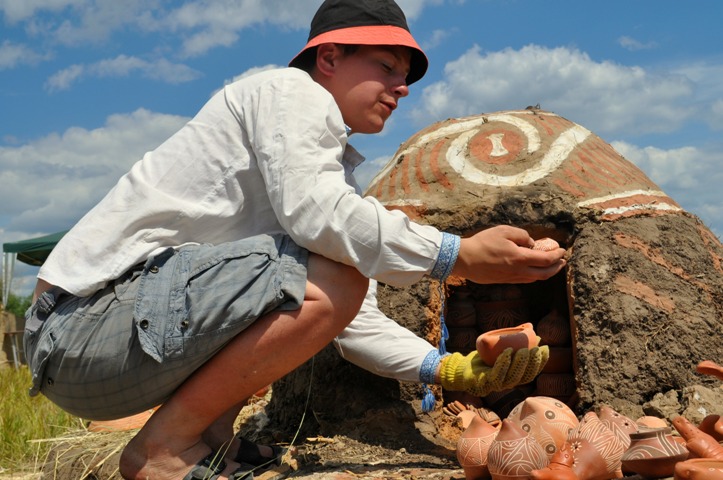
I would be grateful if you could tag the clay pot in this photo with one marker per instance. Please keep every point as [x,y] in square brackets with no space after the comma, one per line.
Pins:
[651,422]
[503,402]
[461,313]
[465,418]
[473,447]
[596,449]
[621,425]
[699,469]
[491,344]
[560,360]
[547,420]
[560,467]
[514,454]
[713,426]
[709,367]
[461,339]
[497,314]
[554,329]
[652,453]
[556,385]
[699,443]
[545,244]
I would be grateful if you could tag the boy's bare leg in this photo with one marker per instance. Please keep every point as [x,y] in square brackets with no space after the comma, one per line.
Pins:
[170,443]
[220,434]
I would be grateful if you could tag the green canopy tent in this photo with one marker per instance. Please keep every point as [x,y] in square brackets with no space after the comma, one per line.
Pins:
[33,251]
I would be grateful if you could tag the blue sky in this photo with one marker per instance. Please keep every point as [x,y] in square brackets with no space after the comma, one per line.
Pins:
[88,86]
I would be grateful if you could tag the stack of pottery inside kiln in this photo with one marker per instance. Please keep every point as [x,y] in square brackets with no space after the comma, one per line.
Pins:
[474,309]
[542,439]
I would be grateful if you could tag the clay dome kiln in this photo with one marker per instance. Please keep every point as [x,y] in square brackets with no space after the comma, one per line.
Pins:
[638,306]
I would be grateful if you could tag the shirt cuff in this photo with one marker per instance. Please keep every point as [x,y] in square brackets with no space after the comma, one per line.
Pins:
[447,257]
[429,366]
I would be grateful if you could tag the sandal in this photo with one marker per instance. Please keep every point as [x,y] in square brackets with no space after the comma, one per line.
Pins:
[207,469]
[249,453]
[211,467]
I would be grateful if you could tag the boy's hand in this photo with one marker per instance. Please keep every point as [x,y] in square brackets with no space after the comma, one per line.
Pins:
[469,373]
[504,254]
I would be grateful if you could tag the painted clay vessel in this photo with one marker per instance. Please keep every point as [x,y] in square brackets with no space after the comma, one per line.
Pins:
[503,402]
[651,422]
[554,329]
[560,467]
[491,344]
[713,426]
[652,453]
[556,385]
[699,469]
[596,449]
[514,454]
[560,361]
[461,313]
[547,420]
[699,443]
[709,367]
[621,425]
[504,313]
[545,245]
[473,447]
[465,418]
[461,339]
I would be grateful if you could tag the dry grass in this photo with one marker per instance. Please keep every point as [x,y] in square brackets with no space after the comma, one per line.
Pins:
[81,455]
[24,420]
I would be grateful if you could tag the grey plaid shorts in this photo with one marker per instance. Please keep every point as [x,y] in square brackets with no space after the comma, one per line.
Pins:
[127,347]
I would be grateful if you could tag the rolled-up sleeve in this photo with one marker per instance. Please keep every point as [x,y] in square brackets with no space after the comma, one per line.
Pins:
[299,138]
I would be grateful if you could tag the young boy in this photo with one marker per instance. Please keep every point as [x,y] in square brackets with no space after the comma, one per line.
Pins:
[240,247]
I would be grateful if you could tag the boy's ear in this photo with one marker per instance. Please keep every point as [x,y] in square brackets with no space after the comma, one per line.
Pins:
[326,58]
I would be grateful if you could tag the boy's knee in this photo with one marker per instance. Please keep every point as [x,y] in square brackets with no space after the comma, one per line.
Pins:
[340,288]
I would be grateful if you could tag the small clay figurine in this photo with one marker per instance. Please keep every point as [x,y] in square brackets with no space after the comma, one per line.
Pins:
[560,467]
[699,443]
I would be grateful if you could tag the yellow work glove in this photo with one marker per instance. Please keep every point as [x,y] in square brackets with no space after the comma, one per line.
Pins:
[469,373]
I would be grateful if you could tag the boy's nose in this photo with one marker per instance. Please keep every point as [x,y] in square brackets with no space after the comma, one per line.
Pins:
[401,90]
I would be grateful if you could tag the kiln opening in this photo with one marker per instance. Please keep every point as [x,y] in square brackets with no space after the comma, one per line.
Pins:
[472,309]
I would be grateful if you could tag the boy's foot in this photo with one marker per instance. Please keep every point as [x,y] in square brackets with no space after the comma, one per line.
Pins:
[259,455]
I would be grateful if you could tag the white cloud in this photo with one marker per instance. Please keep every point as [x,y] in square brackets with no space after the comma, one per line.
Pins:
[709,89]
[251,71]
[690,175]
[716,110]
[50,183]
[368,170]
[15,10]
[413,8]
[678,168]
[122,66]
[632,44]
[436,39]
[602,96]
[14,54]
[201,24]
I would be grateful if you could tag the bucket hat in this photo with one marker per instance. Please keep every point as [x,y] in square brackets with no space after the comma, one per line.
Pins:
[363,22]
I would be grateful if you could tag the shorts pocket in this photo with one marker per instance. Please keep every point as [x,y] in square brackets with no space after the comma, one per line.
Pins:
[38,348]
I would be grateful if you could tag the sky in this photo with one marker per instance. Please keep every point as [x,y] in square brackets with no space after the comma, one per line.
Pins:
[88,86]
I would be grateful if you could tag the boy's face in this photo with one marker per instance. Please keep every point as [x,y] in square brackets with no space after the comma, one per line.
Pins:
[368,84]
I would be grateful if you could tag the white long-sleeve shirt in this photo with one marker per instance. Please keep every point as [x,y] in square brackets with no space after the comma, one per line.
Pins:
[267,154]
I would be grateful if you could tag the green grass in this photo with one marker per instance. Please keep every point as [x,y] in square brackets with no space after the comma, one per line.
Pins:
[24,419]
